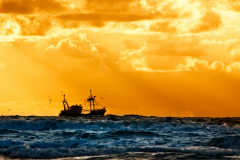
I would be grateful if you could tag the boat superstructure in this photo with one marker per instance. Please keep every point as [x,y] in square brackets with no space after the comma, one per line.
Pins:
[74,110]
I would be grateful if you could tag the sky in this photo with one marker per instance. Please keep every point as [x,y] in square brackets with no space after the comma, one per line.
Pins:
[146,57]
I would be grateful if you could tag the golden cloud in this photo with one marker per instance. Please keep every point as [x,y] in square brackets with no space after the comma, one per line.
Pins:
[193,64]
[75,46]
[161,55]
[24,26]
[235,5]
[111,5]
[162,27]
[102,17]
[210,21]
[234,67]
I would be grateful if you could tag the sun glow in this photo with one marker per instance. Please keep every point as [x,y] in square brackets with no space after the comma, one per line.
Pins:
[72,6]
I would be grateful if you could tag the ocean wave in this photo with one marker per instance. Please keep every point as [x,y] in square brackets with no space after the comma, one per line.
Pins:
[104,123]
[127,133]
[24,151]
[231,142]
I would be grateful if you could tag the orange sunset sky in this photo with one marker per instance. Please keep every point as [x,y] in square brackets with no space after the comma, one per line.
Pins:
[155,57]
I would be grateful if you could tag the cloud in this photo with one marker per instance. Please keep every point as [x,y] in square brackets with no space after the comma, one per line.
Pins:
[111,5]
[30,6]
[9,27]
[218,66]
[210,21]
[229,42]
[234,67]
[24,26]
[193,64]
[136,61]
[50,5]
[75,56]
[132,60]
[98,12]
[16,7]
[164,9]
[75,46]
[102,17]
[34,26]
[235,52]
[161,55]
[235,5]
[228,50]
[162,27]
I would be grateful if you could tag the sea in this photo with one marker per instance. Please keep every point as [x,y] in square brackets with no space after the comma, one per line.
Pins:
[119,137]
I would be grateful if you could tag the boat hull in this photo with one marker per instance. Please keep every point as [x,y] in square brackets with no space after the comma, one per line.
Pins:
[96,112]
[69,113]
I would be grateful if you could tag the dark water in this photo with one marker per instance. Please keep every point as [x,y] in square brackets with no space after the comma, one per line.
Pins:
[119,137]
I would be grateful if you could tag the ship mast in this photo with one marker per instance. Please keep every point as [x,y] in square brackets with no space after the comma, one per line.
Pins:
[65,102]
[91,100]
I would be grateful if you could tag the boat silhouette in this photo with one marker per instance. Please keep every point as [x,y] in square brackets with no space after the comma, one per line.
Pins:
[95,108]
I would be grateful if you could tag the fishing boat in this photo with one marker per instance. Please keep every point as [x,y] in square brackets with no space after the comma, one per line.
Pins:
[94,108]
